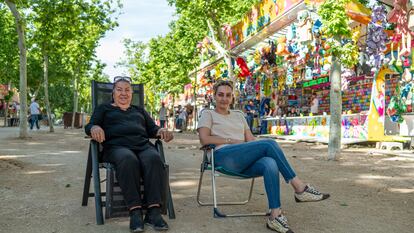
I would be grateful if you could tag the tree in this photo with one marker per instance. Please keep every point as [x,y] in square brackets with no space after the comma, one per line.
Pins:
[20,28]
[90,25]
[164,63]
[336,26]
[211,15]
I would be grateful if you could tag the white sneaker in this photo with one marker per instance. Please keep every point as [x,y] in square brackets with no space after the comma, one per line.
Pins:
[310,194]
[279,224]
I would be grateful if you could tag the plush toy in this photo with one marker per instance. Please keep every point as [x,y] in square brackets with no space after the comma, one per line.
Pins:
[269,54]
[291,32]
[316,29]
[229,33]
[281,49]
[304,27]
[289,75]
[376,38]
[346,74]
[244,70]
[398,15]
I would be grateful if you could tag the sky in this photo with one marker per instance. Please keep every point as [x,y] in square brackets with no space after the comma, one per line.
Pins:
[140,20]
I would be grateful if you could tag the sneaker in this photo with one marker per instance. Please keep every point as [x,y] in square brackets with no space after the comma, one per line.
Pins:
[136,224]
[279,224]
[310,194]
[154,219]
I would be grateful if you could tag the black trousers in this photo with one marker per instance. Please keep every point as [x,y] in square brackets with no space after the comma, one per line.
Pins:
[135,166]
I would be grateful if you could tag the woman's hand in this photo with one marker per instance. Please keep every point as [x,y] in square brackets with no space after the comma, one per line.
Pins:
[234,141]
[97,133]
[165,135]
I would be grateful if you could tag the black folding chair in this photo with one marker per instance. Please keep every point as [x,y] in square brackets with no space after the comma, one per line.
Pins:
[113,200]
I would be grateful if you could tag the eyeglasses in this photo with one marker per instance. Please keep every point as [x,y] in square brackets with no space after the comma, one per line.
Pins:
[122,78]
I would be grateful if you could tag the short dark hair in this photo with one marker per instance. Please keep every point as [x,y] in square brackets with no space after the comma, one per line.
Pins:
[222,83]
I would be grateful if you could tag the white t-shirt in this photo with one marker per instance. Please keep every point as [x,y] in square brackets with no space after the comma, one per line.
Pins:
[34,108]
[231,126]
[315,106]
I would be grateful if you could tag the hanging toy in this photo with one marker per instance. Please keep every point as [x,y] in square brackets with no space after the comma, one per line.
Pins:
[243,67]
[308,73]
[398,64]
[281,49]
[412,61]
[404,50]
[289,75]
[392,61]
[376,38]
[406,77]
[411,17]
[229,33]
[398,15]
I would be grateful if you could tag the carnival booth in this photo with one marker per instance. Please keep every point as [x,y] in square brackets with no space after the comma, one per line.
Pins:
[284,62]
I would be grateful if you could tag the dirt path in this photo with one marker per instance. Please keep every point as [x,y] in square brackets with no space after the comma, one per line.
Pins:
[41,183]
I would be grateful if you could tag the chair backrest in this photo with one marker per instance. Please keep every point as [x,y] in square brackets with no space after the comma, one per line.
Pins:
[102,93]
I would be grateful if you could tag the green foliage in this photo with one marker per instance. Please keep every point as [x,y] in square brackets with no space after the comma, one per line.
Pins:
[334,19]
[68,32]
[9,52]
[163,64]
[335,23]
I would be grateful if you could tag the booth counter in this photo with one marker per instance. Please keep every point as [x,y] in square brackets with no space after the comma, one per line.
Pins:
[354,126]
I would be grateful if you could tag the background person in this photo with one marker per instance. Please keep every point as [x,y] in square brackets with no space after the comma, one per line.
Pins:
[314,104]
[34,114]
[162,115]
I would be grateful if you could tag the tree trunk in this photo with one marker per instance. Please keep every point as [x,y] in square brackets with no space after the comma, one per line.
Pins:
[46,86]
[334,148]
[20,25]
[75,100]
[7,102]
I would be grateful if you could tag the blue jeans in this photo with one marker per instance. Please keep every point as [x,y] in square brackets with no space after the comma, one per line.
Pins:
[34,119]
[258,158]
[162,123]
[249,119]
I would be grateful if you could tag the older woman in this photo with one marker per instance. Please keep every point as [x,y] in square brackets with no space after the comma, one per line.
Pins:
[237,150]
[124,131]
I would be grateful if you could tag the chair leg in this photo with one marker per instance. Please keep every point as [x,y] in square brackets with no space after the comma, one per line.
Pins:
[201,203]
[97,184]
[109,195]
[216,212]
[200,182]
[171,211]
[87,183]
[170,204]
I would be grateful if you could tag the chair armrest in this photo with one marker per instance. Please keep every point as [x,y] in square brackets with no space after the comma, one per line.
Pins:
[208,147]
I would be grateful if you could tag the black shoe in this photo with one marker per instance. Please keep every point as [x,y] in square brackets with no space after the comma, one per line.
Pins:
[154,219]
[136,224]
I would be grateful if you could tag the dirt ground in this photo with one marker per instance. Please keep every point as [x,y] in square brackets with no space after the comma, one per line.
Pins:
[41,182]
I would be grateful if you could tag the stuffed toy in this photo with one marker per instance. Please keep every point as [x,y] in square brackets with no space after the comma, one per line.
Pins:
[229,33]
[376,38]
[411,16]
[304,27]
[244,70]
[291,32]
[281,49]
[289,75]
[398,15]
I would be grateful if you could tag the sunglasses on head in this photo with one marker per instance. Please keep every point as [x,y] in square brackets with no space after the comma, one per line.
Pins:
[122,78]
